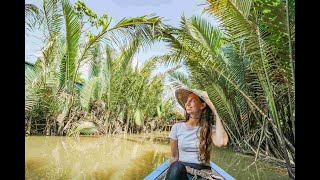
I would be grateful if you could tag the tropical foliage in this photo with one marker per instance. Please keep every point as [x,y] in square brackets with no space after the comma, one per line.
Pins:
[247,66]
[53,96]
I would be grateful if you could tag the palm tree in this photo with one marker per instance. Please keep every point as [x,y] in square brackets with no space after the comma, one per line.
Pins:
[238,84]
[131,94]
[67,49]
[265,33]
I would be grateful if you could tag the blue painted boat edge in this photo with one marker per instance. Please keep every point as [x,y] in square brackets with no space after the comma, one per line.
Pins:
[158,171]
[221,171]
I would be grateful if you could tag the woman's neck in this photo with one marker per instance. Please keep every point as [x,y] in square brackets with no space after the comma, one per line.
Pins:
[193,122]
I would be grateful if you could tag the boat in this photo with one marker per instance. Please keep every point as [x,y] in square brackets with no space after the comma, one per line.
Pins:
[160,172]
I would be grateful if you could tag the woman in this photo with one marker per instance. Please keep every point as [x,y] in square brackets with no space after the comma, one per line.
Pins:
[192,139]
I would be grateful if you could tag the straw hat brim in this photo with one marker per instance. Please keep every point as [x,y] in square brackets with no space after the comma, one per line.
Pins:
[182,94]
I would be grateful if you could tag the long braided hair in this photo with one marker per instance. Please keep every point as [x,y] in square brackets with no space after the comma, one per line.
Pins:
[205,144]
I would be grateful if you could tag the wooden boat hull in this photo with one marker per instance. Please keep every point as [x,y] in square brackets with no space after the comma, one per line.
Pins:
[158,173]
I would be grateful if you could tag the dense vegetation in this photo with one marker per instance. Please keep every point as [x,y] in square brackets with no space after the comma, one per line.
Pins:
[246,64]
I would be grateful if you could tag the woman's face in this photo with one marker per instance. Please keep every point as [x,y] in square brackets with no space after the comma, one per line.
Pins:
[194,105]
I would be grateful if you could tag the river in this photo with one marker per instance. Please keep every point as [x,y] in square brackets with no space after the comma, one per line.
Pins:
[122,157]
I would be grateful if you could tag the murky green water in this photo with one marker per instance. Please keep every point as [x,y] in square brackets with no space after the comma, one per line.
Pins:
[130,157]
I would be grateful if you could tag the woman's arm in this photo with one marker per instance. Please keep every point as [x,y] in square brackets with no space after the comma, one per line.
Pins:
[174,154]
[219,136]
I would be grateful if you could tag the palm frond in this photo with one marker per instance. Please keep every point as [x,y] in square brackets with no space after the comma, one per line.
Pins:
[238,69]
[226,109]
[149,66]
[32,16]
[48,53]
[95,63]
[179,78]
[206,33]
[107,72]
[84,127]
[30,97]
[95,70]
[51,17]
[62,72]
[87,92]
[127,54]
[73,28]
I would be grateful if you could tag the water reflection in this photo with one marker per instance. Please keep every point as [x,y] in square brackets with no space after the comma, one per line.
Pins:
[243,167]
[125,157]
[91,158]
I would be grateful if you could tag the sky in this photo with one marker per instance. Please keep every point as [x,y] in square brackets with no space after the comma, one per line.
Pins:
[169,10]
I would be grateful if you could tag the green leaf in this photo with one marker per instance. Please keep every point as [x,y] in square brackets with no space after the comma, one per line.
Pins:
[86,93]
[84,127]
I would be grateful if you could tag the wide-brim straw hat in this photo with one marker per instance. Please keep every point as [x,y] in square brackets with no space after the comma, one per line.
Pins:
[182,94]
